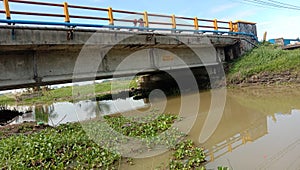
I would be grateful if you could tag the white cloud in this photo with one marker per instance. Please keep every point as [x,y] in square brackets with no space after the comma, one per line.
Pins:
[286,27]
[222,8]
[98,0]
[243,15]
[183,12]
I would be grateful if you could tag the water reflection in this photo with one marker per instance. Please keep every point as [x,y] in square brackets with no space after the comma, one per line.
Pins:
[63,112]
[258,129]
[275,146]
[44,113]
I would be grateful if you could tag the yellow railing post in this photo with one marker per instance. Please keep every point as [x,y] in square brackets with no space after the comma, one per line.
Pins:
[229,147]
[196,24]
[110,16]
[7,11]
[212,157]
[146,19]
[173,22]
[66,12]
[215,24]
[244,140]
[265,37]
[230,26]
[235,27]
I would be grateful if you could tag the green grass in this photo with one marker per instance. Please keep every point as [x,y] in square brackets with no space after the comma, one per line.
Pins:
[142,128]
[187,156]
[64,147]
[266,58]
[4,99]
[68,147]
[80,92]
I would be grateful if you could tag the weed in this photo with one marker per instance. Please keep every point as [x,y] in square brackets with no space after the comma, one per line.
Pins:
[266,58]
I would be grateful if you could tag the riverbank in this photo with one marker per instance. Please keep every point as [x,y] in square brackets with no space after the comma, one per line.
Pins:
[251,111]
[68,145]
[266,65]
[100,91]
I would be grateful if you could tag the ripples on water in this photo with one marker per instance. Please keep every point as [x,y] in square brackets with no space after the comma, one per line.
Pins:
[259,128]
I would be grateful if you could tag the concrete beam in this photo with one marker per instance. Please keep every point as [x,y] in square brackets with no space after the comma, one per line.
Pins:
[39,38]
[38,56]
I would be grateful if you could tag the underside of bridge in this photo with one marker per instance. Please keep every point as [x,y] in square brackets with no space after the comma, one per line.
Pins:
[34,56]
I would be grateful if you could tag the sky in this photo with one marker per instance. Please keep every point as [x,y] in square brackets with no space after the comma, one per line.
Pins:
[276,21]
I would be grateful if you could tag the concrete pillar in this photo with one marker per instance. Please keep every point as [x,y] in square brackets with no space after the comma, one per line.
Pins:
[157,81]
[247,27]
[232,52]
[220,54]
[165,82]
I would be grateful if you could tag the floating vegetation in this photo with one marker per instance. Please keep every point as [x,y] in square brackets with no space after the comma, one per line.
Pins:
[69,146]
[134,135]
[64,147]
[145,127]
[25,128]
[187,156]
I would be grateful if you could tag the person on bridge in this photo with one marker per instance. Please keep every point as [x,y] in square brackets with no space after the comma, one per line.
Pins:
[141,22]
[135,21]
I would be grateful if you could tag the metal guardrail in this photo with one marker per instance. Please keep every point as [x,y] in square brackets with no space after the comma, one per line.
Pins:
[146,22]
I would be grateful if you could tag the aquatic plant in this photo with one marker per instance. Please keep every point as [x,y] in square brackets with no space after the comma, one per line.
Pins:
[68,147]
[187,156]
[63,147]
[145,127]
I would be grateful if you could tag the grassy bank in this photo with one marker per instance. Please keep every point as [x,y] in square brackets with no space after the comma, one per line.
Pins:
[68,147]
[66,93]
[264,60]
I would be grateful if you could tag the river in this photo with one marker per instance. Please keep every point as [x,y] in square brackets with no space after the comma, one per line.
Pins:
[241,128]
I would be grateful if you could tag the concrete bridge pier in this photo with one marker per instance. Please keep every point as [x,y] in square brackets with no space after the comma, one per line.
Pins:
[38,56]
[185,80]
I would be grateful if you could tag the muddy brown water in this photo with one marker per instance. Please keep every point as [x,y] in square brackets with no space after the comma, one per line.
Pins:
[249,128]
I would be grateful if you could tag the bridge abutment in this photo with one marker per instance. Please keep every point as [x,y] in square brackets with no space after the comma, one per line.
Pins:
[183,81]
[41,56]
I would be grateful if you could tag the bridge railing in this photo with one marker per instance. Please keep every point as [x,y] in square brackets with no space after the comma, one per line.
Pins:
[84,16]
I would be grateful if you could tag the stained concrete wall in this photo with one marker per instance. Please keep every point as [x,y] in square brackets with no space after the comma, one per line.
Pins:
[247,27]
[38,56]
[246,44]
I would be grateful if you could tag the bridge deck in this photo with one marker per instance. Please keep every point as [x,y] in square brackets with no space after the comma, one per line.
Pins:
[44,49]
[98,17]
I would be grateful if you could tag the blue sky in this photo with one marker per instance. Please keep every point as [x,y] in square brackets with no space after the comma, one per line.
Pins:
[277,22]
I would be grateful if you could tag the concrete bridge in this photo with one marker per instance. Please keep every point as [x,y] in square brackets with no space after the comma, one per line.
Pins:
[45,51]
